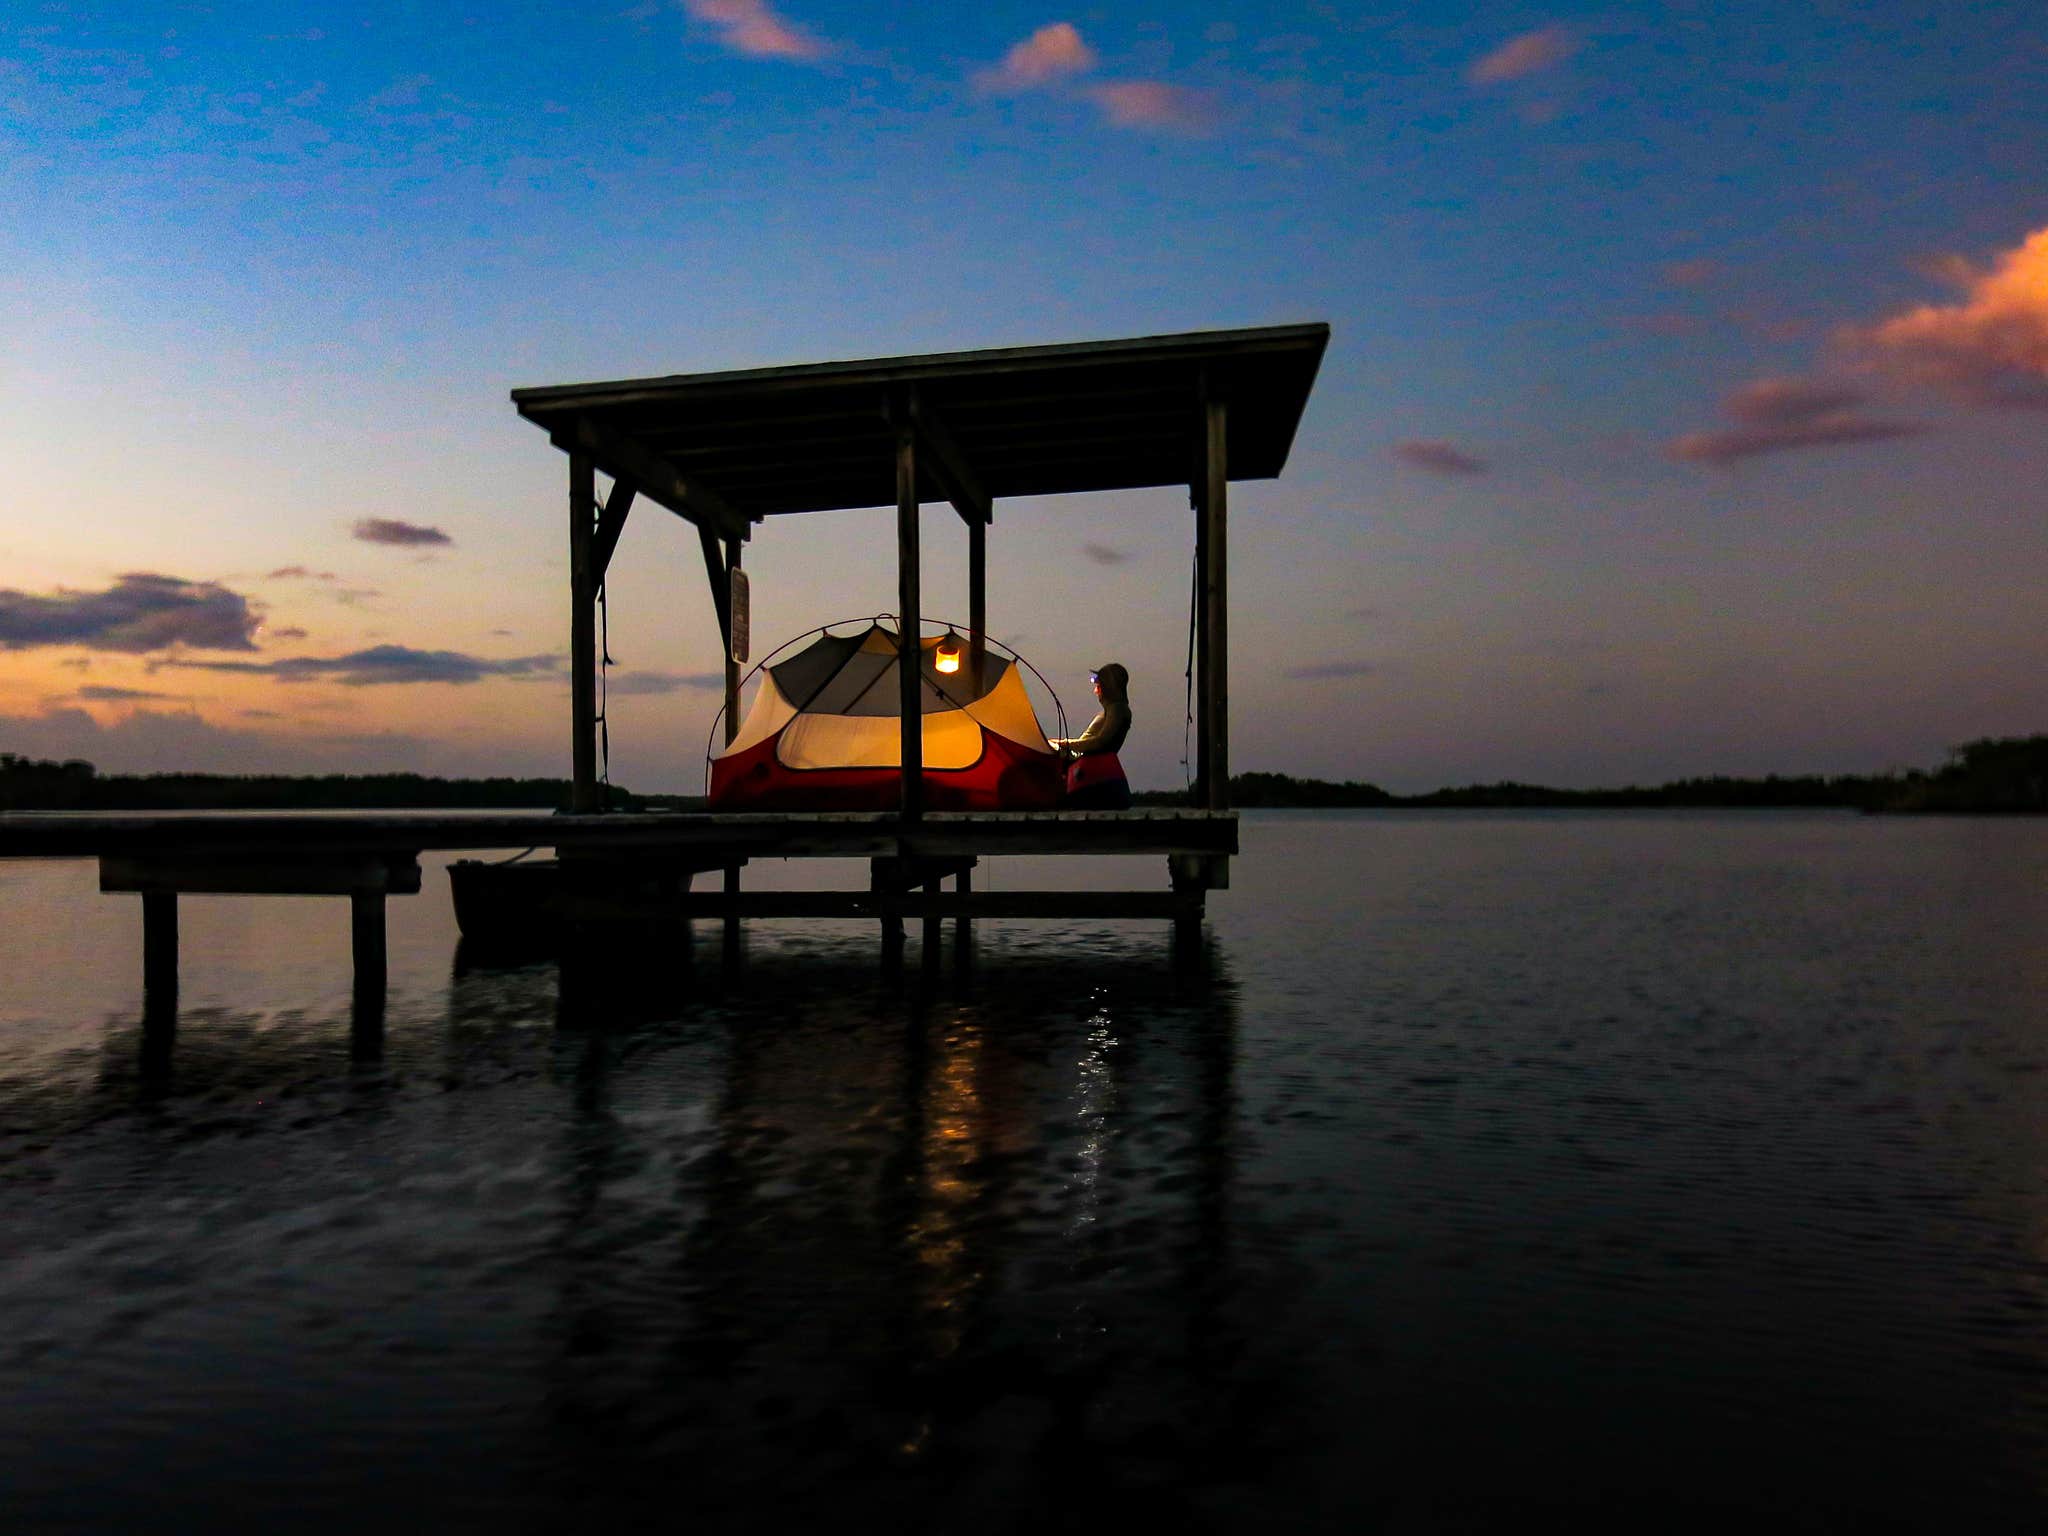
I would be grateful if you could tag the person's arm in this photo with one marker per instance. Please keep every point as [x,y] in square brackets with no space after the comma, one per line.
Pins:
[1105,733]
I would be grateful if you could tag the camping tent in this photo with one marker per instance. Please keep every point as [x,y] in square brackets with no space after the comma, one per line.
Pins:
[824,734]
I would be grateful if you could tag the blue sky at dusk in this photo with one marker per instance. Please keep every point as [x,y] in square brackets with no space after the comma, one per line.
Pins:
[1686,409]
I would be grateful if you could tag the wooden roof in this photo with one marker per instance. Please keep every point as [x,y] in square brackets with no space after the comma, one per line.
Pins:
[731,448]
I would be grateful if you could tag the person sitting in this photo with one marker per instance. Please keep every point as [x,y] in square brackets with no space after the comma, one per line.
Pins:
[1095,779]
[1106,732]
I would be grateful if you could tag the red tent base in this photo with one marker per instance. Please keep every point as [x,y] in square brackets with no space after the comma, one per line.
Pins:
[1008,777]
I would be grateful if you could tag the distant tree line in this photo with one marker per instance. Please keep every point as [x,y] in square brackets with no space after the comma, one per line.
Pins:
[30,785]
[2002,775]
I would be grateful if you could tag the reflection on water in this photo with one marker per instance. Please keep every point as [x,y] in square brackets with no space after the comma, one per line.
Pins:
[1658,1173]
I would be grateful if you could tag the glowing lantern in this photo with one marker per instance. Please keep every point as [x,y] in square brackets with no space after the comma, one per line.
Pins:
[947,657]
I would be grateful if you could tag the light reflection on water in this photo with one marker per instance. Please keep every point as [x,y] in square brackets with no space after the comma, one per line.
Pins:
[1657,1170]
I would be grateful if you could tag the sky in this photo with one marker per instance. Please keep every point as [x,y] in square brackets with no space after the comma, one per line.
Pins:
[1686,408]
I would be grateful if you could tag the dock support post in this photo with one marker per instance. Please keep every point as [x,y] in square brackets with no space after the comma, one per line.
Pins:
[910,654]
[366,942]
[1189,873]
[933,924]
[582,633]
[1215,571]
[159,980]
[977,601]
[160,946]
[882,879]
[731,936]
[963,925]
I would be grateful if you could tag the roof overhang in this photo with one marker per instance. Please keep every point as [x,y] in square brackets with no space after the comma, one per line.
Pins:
[728,449]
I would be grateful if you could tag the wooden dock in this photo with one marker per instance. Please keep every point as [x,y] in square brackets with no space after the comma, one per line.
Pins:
[369,856]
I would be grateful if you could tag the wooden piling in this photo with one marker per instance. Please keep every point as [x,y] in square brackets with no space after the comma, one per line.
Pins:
[582,633]
[366,942]
[160,944]
[910,656]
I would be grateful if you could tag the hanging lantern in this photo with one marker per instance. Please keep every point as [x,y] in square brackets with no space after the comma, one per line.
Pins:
[947,657]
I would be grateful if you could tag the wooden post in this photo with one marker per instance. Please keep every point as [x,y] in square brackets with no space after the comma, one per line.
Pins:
[731,925]
[882,878]
[963,925]
[582,635]
[159,958]
[977,601]
[366,941]
[732,668]
[1201,617]
[1215,608]
[910,656]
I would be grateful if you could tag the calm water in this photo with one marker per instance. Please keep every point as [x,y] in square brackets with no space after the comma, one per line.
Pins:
[1660,1171]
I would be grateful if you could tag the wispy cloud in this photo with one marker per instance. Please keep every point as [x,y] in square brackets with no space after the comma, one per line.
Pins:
[404,92]
[389,530]
[1438,457]
[1053,52]
[1528,54]
[663,682]
[1105,554]
[299,573]
[1154,104]
[102,693]
[141,612]
[1775,415]
[1664,323]
[1696,273]
[384,664]
[752,27]
[1325,671]
[1990,347]
[289,632]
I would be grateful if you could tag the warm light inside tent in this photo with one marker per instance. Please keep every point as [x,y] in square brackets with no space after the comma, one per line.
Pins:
[947,657]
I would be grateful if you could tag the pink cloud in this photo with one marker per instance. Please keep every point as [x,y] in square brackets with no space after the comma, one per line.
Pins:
[1438,457]
[1774,415]
[1153,104]
[1991,347]
[751,27]
[1050,54]
[1528,54]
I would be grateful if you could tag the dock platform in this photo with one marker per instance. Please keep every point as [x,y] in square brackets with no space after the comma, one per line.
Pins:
[370,855]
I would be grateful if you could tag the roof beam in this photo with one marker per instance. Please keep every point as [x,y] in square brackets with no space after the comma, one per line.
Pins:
[721,582]
[624,459]
[949,465]
[611,522]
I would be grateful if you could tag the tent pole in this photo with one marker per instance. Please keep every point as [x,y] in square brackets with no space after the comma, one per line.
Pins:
[1215,607]
[910,657]
[582,634]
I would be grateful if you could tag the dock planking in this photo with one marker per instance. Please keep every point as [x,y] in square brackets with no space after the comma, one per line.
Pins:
[284,836]
[367,856]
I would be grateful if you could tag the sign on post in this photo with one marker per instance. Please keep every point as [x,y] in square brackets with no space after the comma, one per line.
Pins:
[740,616]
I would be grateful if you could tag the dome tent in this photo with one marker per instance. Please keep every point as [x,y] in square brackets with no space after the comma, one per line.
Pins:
[824,734]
